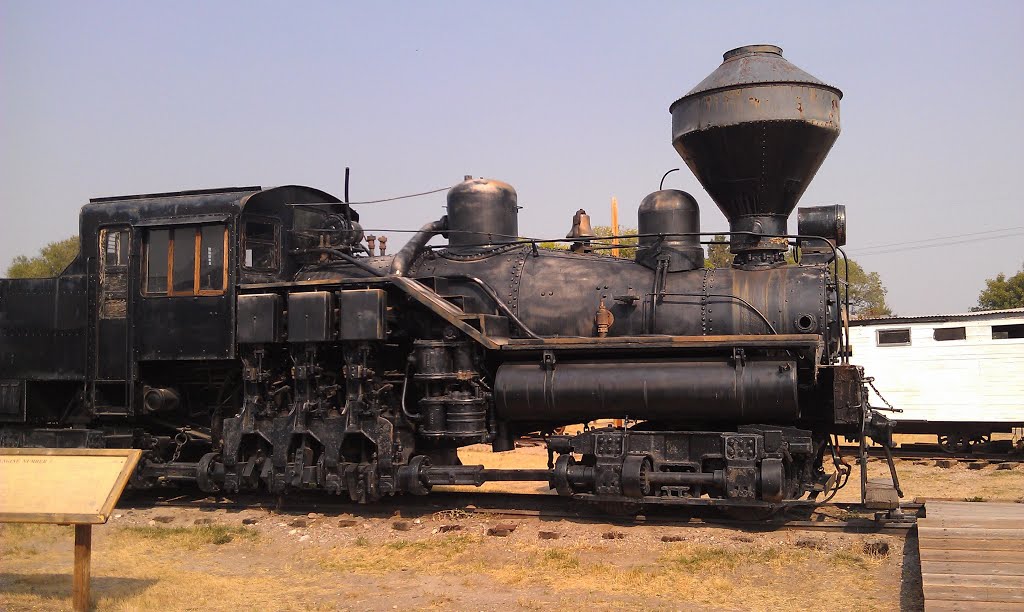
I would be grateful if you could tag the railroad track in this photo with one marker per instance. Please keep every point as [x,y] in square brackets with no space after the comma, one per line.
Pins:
[524,506]
[934,454]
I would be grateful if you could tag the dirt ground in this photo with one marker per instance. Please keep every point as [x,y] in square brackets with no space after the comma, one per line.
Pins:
[191,559]
[290,562]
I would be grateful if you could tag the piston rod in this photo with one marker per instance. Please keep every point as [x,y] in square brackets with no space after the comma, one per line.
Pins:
[476,475]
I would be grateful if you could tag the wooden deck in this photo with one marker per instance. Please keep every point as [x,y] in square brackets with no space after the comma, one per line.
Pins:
[972,556]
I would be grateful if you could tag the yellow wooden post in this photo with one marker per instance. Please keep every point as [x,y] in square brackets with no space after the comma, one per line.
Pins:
[83,551]
[615,227]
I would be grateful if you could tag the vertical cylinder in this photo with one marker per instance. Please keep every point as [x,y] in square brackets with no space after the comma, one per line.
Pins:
[482,213]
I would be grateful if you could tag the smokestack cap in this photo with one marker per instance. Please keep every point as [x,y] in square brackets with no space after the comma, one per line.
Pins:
[753,64]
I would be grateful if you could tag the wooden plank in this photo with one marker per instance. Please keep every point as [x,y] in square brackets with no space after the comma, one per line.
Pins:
[971,556]
[974,544]
[982,567]
[987,516]
[951,533]
[989,556]
[972,509]
[973,593]
[83,551]
[978,523]
[945,605]
[1001,582]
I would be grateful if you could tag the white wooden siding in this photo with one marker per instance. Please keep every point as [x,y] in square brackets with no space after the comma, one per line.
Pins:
[975,379]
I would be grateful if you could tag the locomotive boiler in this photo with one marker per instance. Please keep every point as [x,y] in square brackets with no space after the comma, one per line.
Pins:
[252,339]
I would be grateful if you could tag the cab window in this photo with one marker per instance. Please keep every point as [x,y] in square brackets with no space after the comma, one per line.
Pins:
[114,246]
[260,245]
[186,260]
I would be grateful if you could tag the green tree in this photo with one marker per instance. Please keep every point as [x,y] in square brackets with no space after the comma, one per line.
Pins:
[1001,292]
[718,253]
[867,293]
[51,260]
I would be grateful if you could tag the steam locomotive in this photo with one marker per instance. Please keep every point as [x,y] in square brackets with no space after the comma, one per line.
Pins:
[255,339]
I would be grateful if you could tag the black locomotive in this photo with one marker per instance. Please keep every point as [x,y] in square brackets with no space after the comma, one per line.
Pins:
[252,339]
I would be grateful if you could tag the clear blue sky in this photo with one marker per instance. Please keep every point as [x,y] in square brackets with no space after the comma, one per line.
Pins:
[566,101]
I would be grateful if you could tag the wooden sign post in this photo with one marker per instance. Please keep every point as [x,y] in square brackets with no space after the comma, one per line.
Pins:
[66,486]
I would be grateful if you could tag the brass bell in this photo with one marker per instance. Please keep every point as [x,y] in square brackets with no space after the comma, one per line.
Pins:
[581,229]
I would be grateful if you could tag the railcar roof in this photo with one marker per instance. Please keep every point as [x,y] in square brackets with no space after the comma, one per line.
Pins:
[225,200]
[981,315]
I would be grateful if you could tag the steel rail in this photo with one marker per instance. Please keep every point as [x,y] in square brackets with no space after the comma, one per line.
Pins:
[523,506]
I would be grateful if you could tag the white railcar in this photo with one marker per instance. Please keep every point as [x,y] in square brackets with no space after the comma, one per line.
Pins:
[958,376]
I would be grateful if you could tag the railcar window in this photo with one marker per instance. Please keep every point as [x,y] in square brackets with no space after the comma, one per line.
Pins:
[211,258]
[261,245]
[943,334]
[157,242]
[891,337]
[183,254]
[114,245]
[186,260]
[116,248]
[1008,332]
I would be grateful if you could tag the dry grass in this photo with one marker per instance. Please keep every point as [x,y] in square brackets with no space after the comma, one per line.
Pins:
[26,539]
[404,555]
[219,567]
[957,482]
[190,537]
[699,573]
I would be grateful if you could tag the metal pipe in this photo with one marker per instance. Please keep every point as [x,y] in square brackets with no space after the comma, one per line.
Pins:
[412,249]
[704,296]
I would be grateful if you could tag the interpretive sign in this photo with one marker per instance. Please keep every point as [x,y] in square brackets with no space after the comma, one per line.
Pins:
[77,486]
[62,485]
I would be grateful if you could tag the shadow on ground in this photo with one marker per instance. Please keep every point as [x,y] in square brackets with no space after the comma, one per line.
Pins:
[911,589]
[58,586]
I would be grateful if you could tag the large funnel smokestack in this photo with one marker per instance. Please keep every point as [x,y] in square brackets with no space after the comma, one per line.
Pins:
[755,132]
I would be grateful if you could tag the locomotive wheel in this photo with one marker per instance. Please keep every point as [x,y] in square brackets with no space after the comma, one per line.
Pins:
[634,476]
[560,475]
[951,443]
[962,443]
[204,475]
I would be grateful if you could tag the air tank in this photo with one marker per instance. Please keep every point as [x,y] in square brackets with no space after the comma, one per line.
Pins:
[669,212]
[754,133]
[482,213]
